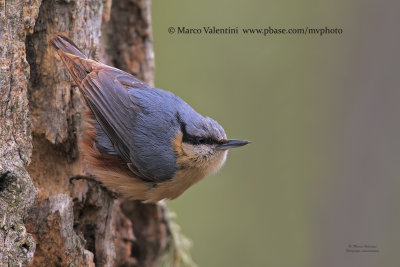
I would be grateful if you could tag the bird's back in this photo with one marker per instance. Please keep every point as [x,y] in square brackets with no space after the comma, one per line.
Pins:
[134,133]
[132,120]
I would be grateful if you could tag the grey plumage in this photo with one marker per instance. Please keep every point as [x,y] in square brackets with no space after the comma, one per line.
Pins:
[153,128]
[159,145]
[141,122]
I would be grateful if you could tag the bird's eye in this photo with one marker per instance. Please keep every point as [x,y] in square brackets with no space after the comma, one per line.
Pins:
[201,140]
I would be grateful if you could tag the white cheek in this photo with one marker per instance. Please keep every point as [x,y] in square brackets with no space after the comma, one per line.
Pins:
[223,158]
[218,161]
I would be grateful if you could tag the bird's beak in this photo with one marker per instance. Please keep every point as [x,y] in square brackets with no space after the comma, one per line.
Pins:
[230,143]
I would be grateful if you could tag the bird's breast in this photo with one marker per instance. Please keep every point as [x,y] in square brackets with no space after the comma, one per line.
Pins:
[188,173]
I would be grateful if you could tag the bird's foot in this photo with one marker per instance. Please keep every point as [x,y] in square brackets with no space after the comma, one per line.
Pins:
[93,180]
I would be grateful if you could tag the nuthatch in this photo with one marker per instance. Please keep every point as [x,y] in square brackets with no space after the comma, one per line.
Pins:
[142,142]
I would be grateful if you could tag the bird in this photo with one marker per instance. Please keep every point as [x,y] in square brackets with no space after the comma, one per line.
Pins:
[144,143]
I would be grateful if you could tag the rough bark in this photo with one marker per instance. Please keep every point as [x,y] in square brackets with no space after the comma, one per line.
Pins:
[46,220]
[17,193]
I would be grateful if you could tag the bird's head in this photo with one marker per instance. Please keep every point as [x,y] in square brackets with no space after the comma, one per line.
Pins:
[202,144]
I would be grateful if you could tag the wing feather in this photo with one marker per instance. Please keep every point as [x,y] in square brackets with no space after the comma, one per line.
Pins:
[107,92]
[108,101]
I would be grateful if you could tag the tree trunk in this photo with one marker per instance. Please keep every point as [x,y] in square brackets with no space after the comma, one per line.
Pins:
[46,220]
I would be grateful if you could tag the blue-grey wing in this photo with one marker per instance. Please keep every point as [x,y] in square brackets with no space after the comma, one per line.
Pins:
[107,92]
[125,128]
[103,143]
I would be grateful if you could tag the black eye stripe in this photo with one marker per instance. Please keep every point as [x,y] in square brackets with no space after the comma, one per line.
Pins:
[185,135]
[199,140]
[203,140]
[195,140]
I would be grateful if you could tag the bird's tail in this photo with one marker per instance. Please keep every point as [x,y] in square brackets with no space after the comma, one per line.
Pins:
[77,63]
[62,42]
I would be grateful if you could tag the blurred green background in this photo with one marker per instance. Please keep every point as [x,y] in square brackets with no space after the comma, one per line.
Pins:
[322,170]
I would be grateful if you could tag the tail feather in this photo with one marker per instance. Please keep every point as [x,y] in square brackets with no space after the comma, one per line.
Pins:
[63,43]
[77,63]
